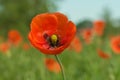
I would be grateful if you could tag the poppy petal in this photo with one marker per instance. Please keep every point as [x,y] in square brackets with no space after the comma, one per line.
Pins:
[71,30]
[46,21]
[62,19]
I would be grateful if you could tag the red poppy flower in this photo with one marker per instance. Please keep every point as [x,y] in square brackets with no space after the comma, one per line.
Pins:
[52,65]
[87,35]
[4,47]
[115,44]
[76,45]
[103,54]
[98,27]
[51,33]
[14,37]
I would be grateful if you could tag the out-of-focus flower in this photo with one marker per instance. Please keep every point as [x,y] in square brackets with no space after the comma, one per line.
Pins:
[4,47]
[76,45]
[103,54]
[26,46]
[98,27]
[14,37]
[51,33]
[87,35]
[115,44]
[52,65]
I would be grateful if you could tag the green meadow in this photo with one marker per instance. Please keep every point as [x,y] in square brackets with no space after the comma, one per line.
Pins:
[19,62]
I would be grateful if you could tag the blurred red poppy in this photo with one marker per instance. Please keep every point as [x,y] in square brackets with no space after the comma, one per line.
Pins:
[52,65]
[26,46]
[87,35]
[103,54]
[76,45]
[4,47]
[51,33]
[98,27]
[115,44]
[14,37]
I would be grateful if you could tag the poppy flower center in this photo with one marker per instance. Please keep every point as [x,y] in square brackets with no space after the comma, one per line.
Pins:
[52,40]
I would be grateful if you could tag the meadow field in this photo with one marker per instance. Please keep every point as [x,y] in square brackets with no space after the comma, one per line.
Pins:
[33,32]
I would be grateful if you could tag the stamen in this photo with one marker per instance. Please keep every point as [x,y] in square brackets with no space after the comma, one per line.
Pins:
[54,40]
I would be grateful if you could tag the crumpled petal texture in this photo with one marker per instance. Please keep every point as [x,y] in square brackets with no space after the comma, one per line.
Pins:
[51,23]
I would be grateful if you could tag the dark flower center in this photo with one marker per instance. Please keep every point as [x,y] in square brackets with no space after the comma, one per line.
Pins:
[52,40]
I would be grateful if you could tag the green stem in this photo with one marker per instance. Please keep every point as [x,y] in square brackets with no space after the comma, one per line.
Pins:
[61,66]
